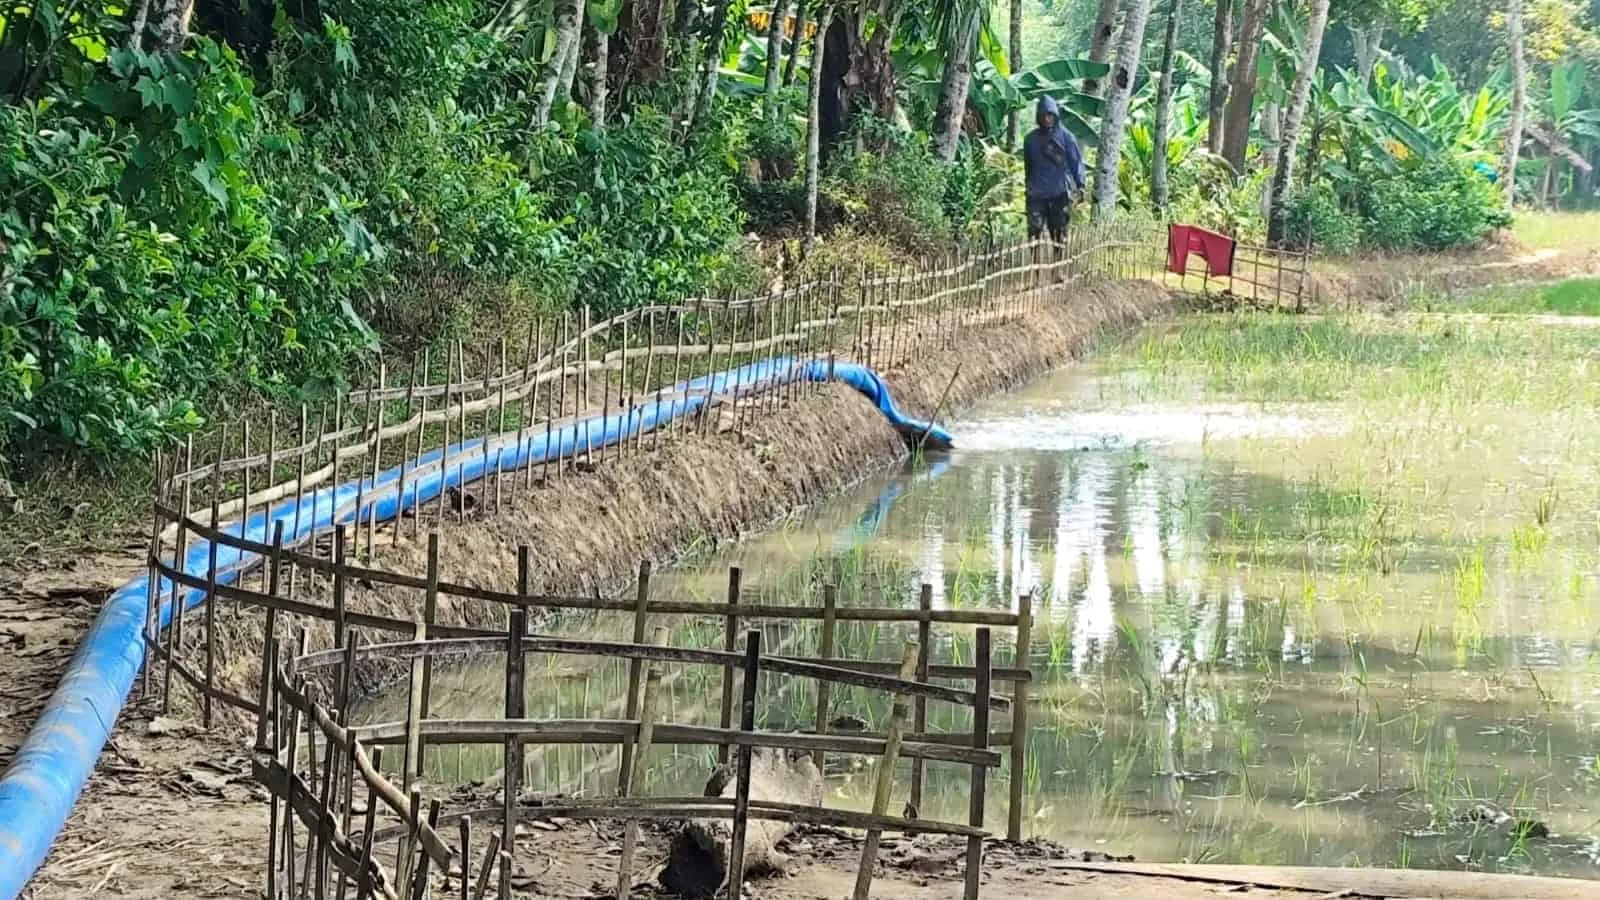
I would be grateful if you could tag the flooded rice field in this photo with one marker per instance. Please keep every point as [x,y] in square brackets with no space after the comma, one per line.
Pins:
[1306,591]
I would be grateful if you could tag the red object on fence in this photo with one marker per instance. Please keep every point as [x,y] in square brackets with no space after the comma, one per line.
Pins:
[1216,249]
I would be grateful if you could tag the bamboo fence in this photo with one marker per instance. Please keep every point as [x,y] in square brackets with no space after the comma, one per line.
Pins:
[477,400]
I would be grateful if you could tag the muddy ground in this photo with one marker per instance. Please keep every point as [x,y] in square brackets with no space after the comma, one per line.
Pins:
[172,812]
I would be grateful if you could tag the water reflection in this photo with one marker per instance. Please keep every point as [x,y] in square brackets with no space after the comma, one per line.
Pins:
[1239,662]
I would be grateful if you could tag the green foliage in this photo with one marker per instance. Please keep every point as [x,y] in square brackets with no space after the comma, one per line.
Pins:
[1316,220]
[896,192]
[1439,205]
[144,257]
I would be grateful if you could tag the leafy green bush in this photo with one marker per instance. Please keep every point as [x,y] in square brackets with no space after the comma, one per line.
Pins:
[1316,220]
[1436,205]
[143,260]
[897,191]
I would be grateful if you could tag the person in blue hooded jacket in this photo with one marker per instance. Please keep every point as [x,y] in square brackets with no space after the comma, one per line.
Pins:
[1053,169]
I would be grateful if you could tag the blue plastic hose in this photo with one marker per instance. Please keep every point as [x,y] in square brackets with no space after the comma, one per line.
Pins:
[39,789]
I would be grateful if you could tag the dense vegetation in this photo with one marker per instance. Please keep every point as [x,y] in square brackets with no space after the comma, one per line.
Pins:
[198,196]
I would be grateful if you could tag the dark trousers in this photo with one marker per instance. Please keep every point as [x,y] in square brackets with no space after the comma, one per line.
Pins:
[1049,212]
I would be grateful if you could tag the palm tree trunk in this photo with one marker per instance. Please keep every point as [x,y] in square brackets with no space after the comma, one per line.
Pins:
[1105,26]
[597,86]
[1221,41]
[780,12]
[796,43]
[1163,122]
[1115,121]
[701,100]
[953,88]
[814,126]
[172,28]
[569,64]
[1299,100]
[1015,53]
[567,32]
[1519,101]
[1242,87]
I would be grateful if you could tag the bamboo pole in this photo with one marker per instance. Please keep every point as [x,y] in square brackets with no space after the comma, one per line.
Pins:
[730,636]
[741,791]
[412,763]
[211,587]
[980,741]
[179,552]
[641,616]
[830,602]
[920,706]
[516,708]
[269,642]
[884,779]
[1019,720]
[633,779]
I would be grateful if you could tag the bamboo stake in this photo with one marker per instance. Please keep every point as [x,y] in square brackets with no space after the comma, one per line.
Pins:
[531,415]
[179,552]
[465,827]
[741,792]
[490,855]
[1019,719]
[980,741]
[377,461]
[211,586]
[884,780]
[419,890]
[412,764]
[633,781]
[269,642]
[444,424]
[919,722]
[339,572]
[730,636]
[461,434]
[273,714]
[499,428]
[516,708]
[641,615]
[363,887]
[830,603]
[405,453]
[566,330]
[300,468]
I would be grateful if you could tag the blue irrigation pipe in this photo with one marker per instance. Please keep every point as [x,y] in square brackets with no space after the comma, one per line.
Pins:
[38,791]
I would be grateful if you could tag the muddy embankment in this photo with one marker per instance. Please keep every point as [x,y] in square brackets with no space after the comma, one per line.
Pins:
[1383,281]
[588,531]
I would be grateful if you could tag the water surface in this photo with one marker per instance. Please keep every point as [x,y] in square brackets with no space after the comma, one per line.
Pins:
[1320,630]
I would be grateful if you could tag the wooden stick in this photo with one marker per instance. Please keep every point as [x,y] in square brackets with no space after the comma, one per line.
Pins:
[633,780]
[211,591]
[741,791]
[516,708]
[1019,720]
[268,642]
[490,855]
[419,890]
[730,633]
[641,616]
[179,552]
[430,615]
[920,717]
[275,715]
[830,604]
[884,780]
[411,765]
[340,625]
[980,741]
[363,889]
[465,826]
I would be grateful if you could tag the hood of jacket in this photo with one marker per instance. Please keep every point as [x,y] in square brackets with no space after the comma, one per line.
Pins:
[1047,106]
